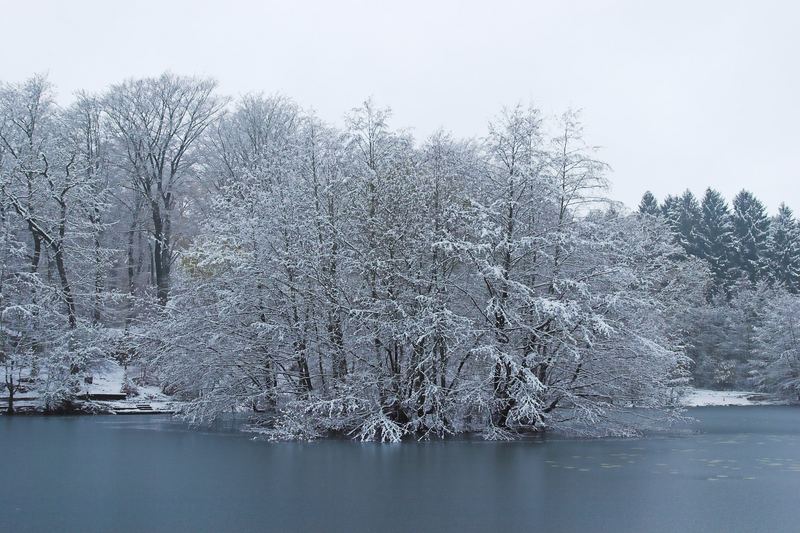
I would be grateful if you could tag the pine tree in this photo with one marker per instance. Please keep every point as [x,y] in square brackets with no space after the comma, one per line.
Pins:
[669,203]
[751,231]
[649,205]
[715,239]
[683,216]
[784,250]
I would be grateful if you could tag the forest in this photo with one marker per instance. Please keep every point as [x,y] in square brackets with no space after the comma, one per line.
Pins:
[245,256]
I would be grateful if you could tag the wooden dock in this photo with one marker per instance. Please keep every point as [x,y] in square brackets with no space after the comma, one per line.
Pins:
[140,409]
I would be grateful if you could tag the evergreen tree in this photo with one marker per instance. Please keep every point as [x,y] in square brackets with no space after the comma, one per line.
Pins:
[784,250]
[683,216]
[649,205]
[715,239]
[751,232]
[669,204]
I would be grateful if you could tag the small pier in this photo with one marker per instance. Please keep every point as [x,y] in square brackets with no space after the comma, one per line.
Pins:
[140,409]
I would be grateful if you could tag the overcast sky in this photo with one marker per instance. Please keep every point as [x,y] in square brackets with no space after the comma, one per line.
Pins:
[679,93]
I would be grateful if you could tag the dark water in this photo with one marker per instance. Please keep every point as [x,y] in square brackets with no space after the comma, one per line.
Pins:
[739,472]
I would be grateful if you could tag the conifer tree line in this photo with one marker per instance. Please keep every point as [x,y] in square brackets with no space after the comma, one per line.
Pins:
[247,257]
[739,243]
[743,334]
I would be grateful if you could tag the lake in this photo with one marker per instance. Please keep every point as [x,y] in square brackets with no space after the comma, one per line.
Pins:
[736,469]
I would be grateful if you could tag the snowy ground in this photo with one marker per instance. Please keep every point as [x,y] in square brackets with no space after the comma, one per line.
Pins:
[706,397]
[108,377]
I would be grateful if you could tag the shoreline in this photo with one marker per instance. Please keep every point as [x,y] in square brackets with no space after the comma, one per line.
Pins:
[693,397]
[83,407]
[27,406]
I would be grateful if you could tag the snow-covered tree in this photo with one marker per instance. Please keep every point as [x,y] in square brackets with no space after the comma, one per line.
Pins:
[157,123]
[776,365]
[751,235]
[53,201]
[716,239]
[325,280]
[649,205]
[784,250]
[683,215]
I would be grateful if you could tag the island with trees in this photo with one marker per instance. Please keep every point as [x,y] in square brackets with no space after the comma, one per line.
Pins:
[243,256]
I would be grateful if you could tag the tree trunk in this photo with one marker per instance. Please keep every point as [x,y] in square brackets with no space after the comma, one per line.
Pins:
[131,273]
[37,252]
[161,253]
[10,387]
[98,279]
[66,289]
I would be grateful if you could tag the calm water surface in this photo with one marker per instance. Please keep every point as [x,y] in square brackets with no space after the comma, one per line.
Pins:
[738,470]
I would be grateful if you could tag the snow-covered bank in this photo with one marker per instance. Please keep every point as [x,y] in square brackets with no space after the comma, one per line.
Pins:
[110,389]
[110,378]
[707,398]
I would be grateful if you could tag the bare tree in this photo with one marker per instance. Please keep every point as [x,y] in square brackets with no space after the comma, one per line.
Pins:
[158,122]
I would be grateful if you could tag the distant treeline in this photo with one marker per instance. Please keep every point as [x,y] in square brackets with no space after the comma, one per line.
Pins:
[740,243]
[744,334]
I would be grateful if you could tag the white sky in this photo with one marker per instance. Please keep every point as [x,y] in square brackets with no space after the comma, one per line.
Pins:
[679,93]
